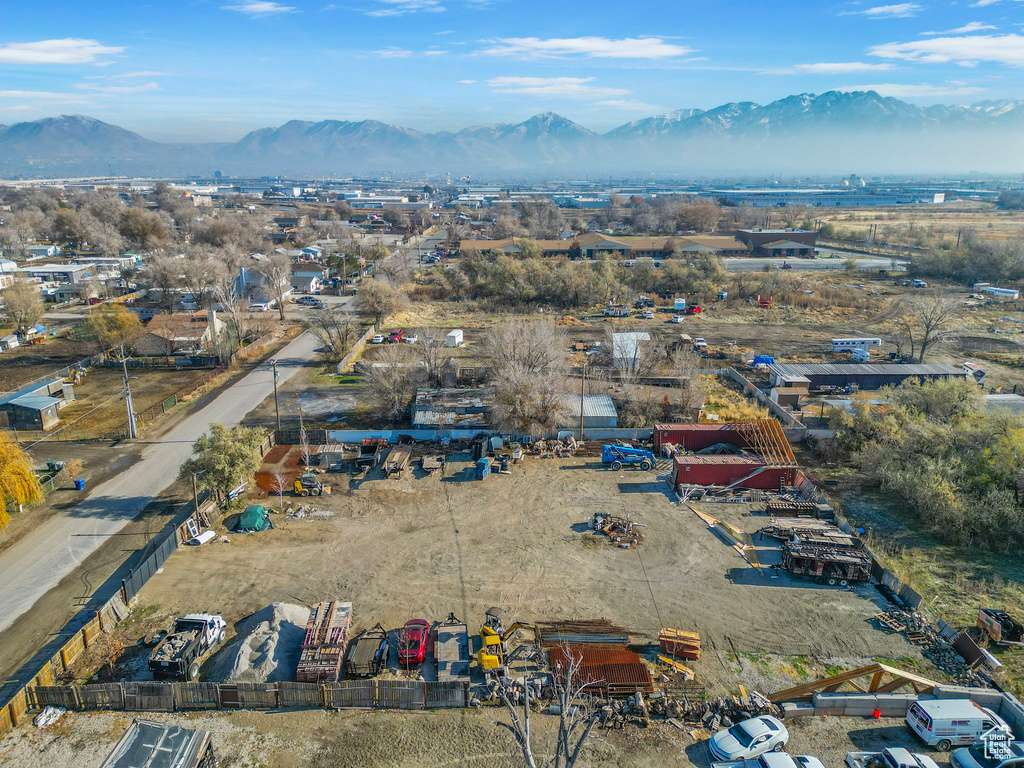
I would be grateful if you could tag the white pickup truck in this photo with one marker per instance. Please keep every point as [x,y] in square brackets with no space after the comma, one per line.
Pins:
[891,757]
[773,760]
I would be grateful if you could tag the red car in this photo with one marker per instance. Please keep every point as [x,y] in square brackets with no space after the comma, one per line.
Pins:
[396,336]
[693,309]
[412,643]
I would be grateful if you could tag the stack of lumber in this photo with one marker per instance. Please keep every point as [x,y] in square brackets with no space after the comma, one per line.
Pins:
[679,644]
[323,647]
[581,631]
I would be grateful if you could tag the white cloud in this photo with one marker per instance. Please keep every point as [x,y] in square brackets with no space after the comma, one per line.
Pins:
[394,53]
[830,68]
[260,8]
[403,7]
[434,53]
[446,32]
[43,96]
[967,51]
[983,3]
[630,105]
[118,89]
[899,11]
[973,26]
[128,75]
[916,91]
[468,82]
[68,50]
[588,47]
[568,87]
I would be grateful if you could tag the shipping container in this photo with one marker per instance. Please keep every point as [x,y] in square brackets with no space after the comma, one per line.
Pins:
[726,470]
[695,437]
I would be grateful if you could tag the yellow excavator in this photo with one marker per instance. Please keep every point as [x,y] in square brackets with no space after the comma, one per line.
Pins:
[493,654]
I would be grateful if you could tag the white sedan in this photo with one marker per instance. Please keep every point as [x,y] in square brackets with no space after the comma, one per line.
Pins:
[677,319]
[379,338]
[773,760]
[749,739]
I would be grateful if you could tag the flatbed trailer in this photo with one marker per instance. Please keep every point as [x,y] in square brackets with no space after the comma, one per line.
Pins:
[367,653]
[451,649]
[323,646]
[1001,627]
[397,460]
[827,565]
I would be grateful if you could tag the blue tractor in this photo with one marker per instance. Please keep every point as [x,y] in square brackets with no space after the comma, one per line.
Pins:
[618,455]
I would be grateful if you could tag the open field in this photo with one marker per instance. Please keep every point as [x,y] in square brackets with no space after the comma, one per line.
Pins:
[944,219]
[426,546]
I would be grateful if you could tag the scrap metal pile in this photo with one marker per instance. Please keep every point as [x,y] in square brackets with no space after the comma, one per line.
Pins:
[551,633]
[621,531]
[920,630]
[558,448]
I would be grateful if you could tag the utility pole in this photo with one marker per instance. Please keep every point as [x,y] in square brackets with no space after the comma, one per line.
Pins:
[277,405]
[132,433]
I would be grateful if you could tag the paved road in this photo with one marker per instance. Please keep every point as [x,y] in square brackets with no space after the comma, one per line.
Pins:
[36,563]
[755,264]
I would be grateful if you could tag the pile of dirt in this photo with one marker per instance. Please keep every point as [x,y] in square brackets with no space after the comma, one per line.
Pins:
[266,648]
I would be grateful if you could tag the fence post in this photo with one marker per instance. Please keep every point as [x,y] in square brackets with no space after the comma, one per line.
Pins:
[77,696]
[85,638]
[323,695]
[220,700]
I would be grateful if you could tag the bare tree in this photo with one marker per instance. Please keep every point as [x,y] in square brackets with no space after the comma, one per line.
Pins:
[200,273]
[163,272]
[391,379]
[276,271]
[433,355]
[337,331]
[531,345]
[928,320]
[377,300]
[279,484]
[23,306]
[576,718]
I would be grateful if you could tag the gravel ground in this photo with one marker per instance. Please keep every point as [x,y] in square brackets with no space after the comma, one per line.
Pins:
[315,739]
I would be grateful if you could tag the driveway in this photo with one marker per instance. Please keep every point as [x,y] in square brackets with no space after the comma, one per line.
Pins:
[39,561]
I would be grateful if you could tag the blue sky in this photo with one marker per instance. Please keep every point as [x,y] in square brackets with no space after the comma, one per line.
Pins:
[214,70]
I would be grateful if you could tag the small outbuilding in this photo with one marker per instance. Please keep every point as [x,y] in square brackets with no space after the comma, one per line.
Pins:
[454,339]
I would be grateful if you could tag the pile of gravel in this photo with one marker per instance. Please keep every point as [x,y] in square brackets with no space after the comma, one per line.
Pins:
[266,648]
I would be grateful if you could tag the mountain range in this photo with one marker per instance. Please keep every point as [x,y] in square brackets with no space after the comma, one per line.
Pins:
[836,130]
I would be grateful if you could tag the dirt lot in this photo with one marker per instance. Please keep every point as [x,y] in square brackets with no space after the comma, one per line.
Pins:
[30,362]
[292,739]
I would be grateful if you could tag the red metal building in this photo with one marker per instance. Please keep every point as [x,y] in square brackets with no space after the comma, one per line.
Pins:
[767,461]
[751,471]
[696,437]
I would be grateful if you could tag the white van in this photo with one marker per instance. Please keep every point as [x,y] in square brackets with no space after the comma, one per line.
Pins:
[946,723]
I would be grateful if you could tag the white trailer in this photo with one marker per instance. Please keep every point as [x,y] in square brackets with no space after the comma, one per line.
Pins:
[453,339]
[847,345]
[1003,293]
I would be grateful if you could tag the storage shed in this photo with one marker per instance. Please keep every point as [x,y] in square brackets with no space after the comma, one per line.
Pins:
[598,412]
[864,375]
[36,407]
[453,339]
[161,745]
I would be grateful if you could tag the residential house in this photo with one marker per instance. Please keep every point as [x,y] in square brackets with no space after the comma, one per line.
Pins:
[59,273]
[291,222]
[792,243]
[308,277]
[42,251]
[179,334]
[251,284]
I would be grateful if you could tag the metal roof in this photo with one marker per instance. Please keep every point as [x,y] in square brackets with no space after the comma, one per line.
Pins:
[720,458]
[158,745]
[1011,402]
[594,406]
[34,402]
[30,390]
[862,369]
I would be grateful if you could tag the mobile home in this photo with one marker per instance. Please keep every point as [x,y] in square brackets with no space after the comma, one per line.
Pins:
[846,345]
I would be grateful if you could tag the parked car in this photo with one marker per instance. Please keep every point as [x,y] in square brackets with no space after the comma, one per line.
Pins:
[412,338]
[773,760]
[890,757]
[699,343]
[378,338]
[306,300]
[412,643]
[1009,754]
[946,723]
[677,319]
[693,309]
[261,306]
[396,336]
[749,739]
[648,315]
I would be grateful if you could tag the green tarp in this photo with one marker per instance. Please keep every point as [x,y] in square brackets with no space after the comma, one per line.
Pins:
[255,518]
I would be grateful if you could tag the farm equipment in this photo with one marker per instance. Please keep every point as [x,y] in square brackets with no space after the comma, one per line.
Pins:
[369,453]
[493,655]
[309,485]
[1001,627]
[177,656]
[368,653]
[397,460]
[618,455]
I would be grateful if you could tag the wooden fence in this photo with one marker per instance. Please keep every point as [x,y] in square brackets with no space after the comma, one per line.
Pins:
[181,697]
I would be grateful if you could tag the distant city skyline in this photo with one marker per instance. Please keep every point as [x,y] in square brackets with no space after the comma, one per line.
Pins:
[212,71]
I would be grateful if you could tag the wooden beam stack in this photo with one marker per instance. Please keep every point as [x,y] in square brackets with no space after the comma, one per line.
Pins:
[679,644]
[323,647]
